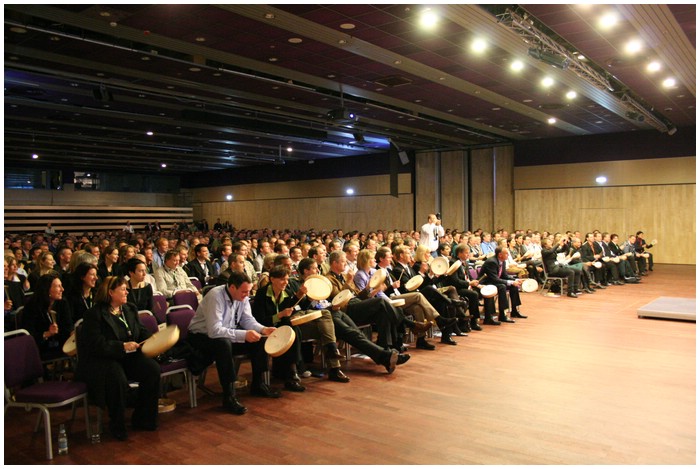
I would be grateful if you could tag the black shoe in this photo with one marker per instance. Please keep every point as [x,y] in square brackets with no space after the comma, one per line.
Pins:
[463,325]
[402,348]
[588,290]
[422,343]
[444,323]
[403,358]
[232,405]
[337,375]
[294,386]
[505,319]
[447,340]
[263,390]
[516,314]
[459,303]
[390,364]
[601,286]
[643,273]
[458,332]
[490,321]
[475,325]
[572,294]
[333,352]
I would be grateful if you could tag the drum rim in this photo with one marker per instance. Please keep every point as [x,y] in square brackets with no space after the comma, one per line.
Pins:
[170,327]
[417,282]
[349,294]
[378,273]
[290,340]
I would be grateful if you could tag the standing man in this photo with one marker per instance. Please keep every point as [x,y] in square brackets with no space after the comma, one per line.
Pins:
[431,232]
[222,327]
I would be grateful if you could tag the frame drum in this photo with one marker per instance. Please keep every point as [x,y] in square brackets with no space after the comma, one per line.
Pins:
[453,268]
[318,287]
[161,341]
[377,278]
[489,291]
[616,260]
[280,341]
[342,298]
[70,347]
[597,264]
[606,259]
[530,285]
[439,266]
[299,320]
[414,282]
[645,255]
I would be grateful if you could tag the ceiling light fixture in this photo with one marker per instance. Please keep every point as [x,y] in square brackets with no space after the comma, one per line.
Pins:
[669,82]
[633,47]
[517,65]
[547,82]
[608,20]
[229,197]
[478,46]
[428,19]
[571,94]
[654,66]
[350,191]
[601,179]
[551,121]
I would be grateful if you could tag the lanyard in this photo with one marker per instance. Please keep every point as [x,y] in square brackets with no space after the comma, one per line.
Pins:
[121,318]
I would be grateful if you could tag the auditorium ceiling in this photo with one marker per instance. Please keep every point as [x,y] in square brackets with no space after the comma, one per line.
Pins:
[174,89]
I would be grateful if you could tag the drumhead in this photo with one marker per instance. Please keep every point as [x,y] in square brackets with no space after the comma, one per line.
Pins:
[616,260]
[606,259]
[377,279]
[342,298]
[280,341]
[70,347]
[299,320]
[318,287]
[439,266]
[161,341]
[166,405]
[530,285]
[414,282]
[453,268]
[489,291]
[597,264]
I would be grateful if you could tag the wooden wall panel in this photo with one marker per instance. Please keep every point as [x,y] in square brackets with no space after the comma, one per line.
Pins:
[664,212]
[426,186]
[481,203]
[453,189]
[504,205]
[69,196]
[365,213]
[619,173]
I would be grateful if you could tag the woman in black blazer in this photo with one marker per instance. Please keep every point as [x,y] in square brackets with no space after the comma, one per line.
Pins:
[49,330]
[110,355]
[273,305]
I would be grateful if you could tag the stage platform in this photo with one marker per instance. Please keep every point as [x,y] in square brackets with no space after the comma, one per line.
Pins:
[667,307]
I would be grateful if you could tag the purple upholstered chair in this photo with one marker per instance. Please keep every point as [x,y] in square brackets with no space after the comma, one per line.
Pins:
[23,365]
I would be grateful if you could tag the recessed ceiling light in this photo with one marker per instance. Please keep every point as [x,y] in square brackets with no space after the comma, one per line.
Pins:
[145,58]
[581,57]
[149,133]
[551,120]
[55,38]
[229,197]
[601,179]
[608,20]
[571,94]
[342,41]
[347,26]
[349,191]
[295,40]
[428,19]
[272,59]
[35,156]
[478,45]
[105,14]
[527,100]
[547,82]
[18,30]
[269,16]
[517,65]
[397,62]
[633,47]
[163,165]
[495,108]
[195,69]
[654,66]
[669,82]
[200,39]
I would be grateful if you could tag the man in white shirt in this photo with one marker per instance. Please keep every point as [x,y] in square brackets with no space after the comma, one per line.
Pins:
[431,232]
[224,326]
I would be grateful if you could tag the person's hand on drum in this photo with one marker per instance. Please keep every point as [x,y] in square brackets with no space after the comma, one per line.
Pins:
[252,336]
[268,330]
[474,283]
[302,291]
[131,346]
[285,312]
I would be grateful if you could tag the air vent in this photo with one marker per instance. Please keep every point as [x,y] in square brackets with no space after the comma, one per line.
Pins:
[393,81]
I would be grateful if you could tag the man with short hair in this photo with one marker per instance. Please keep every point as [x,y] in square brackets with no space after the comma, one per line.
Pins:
[63,255]
[159,253]
[495,270]
[351,250]
[223,327]
[171,277]
[431,232]
[201,267]
[318,253]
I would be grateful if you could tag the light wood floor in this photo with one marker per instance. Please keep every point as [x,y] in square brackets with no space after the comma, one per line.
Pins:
[581,381]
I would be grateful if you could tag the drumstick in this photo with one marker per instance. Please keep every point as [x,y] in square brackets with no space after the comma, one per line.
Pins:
[298,301]
[53,316]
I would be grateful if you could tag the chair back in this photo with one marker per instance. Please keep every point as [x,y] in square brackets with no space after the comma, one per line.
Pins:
[181,316]
[160,306]
[149,321]
[186,297]
[207,289]
[195,281]
[22,361]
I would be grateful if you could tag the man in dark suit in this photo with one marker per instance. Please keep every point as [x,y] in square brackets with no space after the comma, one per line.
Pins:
[549,259]
[590,255]
[466,286]
[495,270]
[201,267]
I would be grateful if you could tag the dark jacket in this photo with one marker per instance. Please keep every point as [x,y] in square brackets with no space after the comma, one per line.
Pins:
[37,322]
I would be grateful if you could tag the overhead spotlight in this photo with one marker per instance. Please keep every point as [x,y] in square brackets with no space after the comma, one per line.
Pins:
[608,20]
[101,93]
[517,65]
[547,82]
[669,82]
[601,179]
[229,197]
[35,156]
[349,191]
[653,67]
[551,121]
[479,46]
[635,116]
[428,19]
[548,58]
[571,94]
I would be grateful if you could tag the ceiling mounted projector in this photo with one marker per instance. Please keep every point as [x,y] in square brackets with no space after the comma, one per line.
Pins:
[342,116]
[549,58]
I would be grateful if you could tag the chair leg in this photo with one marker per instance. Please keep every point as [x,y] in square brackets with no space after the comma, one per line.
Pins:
[47,431]
[38,422]
[86,406]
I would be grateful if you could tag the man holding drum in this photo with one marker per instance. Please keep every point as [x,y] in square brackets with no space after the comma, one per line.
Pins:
[549,259]
[222,327]
[495,270]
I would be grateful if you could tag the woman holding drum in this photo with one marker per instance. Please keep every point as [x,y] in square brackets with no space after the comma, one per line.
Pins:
[109,350]
[273,306]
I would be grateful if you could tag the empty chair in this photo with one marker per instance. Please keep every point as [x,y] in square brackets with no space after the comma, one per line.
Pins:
[22,366]
[195,281]
[160,306]
[185,297]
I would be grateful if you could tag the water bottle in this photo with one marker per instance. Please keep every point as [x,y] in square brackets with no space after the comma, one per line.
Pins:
[62,440]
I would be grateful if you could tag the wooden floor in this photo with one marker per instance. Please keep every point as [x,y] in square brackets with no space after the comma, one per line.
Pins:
[581,381]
